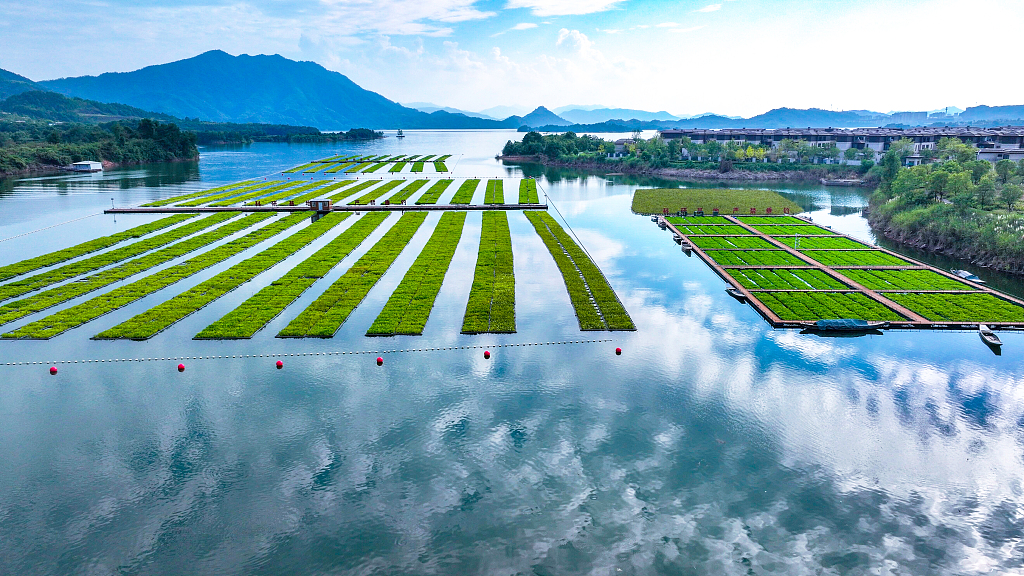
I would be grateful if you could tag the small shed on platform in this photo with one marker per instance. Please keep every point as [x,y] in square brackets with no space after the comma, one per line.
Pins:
[87,166]
[320,205]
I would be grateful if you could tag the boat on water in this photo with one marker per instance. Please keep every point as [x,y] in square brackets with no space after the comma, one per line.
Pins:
[967,276]
[400,134]
[847,325]
[735,293]
[988,336]
[677,238]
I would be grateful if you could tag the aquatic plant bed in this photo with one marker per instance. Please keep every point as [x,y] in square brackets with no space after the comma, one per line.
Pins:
[405,193]
[376,192]
[440,167]
[732,242]
[358,167]
[785,279]
[289,189]
[302,168]
[397,167]
[904,280]
[464,195]
[834,258]
[434,192]
[814,306]
[765,258]
[409,306]
[596,305]
[89,310]
[256,312]
[266,185]
[772,220]
[789,230]
[713,230]
[375,167]
[671,200]
[417,167]
[692,220]
[494,192]
[326,314]
[823,242]
[63,255]
[492,298]
[528,191]
[339,168]
[301,198]
[183,197]
[157,319]
[960,307]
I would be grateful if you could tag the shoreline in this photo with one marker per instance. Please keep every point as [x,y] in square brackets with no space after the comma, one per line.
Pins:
[44,169]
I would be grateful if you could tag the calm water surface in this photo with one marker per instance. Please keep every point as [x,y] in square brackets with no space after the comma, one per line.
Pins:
[713,445]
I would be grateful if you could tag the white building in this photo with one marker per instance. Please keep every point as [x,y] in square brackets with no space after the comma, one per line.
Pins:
[87,166]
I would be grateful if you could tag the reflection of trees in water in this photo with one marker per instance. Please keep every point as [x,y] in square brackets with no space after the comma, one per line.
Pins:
[126,178]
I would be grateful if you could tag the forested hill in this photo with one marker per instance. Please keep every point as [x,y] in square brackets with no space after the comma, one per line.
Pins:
[55,107]
[11,83]
[220,87]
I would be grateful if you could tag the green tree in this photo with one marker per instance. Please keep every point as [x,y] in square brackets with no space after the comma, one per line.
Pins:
[978,169]
[985,192]
[1010,195]
[1005,169]
[961,189]
[937,183]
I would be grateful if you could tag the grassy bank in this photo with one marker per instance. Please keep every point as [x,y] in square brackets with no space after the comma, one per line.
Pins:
[658,200]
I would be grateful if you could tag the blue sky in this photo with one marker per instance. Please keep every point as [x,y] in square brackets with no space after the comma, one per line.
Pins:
[737,57]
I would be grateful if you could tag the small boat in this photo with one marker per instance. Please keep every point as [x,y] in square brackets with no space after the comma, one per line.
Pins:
[663,225]
[988,336]
[654,218]
[967,276]
[847,325]
[677,239]
[400,134]
[735,293]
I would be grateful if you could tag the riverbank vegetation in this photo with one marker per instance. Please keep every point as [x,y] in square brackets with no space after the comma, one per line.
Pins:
[672,200]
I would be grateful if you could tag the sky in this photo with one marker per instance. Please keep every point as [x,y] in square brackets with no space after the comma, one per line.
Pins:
[735,57]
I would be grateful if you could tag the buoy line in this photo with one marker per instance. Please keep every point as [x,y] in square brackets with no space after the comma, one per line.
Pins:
[299,354]
[48,227]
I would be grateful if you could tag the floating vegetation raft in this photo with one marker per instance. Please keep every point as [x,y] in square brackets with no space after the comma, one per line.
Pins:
[494,192]
[492,299]
[597,307]
[464,195]
[796,273]
[528,191]
[409,306]
[672,200]
[434,193]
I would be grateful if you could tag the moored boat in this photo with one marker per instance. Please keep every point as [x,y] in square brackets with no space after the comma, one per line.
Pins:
[735,293]
[988,336]
[967,276]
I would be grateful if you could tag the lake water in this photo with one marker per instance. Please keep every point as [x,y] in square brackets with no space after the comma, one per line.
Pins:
[713,445]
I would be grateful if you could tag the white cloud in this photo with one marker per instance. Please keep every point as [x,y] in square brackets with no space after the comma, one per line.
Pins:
[523,26]
[563,7]
[710,8]
[667,25]
[684,30]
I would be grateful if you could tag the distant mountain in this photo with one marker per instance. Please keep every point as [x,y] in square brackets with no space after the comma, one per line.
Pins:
[991,113]
[430,108]
[272,89]
[42,105]
[11,84]
[586,107]
[505,111]
[544,117]
[581,116]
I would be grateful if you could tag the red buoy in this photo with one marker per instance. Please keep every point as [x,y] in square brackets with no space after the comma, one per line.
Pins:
[181,367]
[280,364]
[618,351]
[53,370]
[380,361]
[487,353]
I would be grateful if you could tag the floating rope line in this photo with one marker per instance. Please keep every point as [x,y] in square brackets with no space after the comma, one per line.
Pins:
[52,226]
[298,354]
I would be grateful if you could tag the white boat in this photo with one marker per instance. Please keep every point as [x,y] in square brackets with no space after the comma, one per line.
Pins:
[967,276]
[988,336]
[400,134]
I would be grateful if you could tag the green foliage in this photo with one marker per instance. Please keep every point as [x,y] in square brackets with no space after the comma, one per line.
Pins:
[597,307]
[494,192]
[358,167]
[464,195]
[65,254]
[301,199]
[732,242]
[690,220]
[409,306]
[259,186]
[492,299]
[289,189]
[960,307]
[259,310]
[824,243]
[326,314]
[855,258]
[1005,169]
[157,319]
[710,230]
[376,192]
[434,192]
[1010,195]
[404,194]
[440,167]
[785,279]
[375,167]
[397,167]
[814,306]
[417,167]
[656,200]
[755,258]
[788,230]
[122,296]
[339,168]
[183,197]
[777,220]
[553,145]
[528,191]
[904,280]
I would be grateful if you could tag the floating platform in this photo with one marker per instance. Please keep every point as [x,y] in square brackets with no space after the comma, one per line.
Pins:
[336,208]
[832,269]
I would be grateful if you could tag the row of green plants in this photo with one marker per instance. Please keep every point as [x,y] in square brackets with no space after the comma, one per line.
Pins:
[274,191]
[405,193]
[528,191]
[440,167]
[814,306]
[822,243]
[443,158]
[328,312]
[855,257]
[376,193]
[88,265]
[960,307]
[302,168]
[732,242]
[709,230]
[492,298]
[358,167]
[339,168]
[785,279]
[658,200]
[432,194]
[408,308]
[375,167]
[904,280]
[583,279]
[157,319]
[183,197]
[691,220]
[755,258]
[787,229]
[256,312]
[464,195]
[301,198]
[63,255]
[60,294]
[398,167]
[494,192]
[259,186]
[417,167]
[771,220]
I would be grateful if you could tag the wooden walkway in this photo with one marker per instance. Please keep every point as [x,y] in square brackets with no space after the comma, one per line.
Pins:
[337,208]
[913,319]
